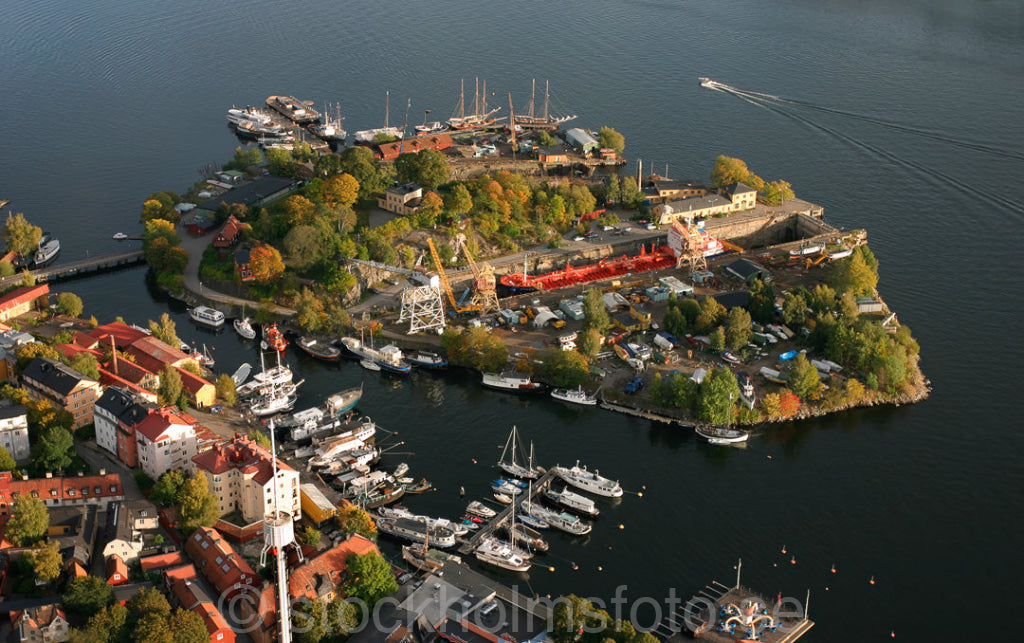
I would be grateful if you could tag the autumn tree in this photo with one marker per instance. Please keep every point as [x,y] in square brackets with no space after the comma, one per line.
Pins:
[430,208]
[342,189]
[226,389]
[266,263]
[165,330]
[777,192]
[199,506]
[70,304]
[170,389]
[608,137]
[47,561]
[311,313]
[28,352]
[21,236]
[297,209]
[28,522]
[803,378]
[353,520]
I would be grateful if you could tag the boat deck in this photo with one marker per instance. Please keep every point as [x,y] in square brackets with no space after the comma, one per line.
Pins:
[468,546]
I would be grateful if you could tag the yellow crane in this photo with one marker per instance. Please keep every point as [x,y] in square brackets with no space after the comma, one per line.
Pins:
[444,281]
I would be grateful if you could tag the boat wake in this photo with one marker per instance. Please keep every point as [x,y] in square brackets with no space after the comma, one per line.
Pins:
[782,107]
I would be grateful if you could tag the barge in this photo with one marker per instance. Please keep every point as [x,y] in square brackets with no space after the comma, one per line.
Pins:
[293,109]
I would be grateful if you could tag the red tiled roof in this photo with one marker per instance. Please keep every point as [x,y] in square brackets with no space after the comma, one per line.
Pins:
[58,488]
[130,371]
[415,144]
[213,619]
[84,340]
[183,590]
[231,567]
[155,355]
[21,296]
[70,350]
[123,334]
[162,561]
[107,378]
[117,571]
[228,233]
[157,422]
[190,382]
[241,453]
[330,566]
[179,573]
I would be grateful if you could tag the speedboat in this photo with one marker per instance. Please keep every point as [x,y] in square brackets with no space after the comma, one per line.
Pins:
[120,236]
[729,357]
[502,498]
[206,315]
[505,487]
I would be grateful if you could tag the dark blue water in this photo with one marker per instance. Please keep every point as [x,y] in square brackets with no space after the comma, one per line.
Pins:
[106,102]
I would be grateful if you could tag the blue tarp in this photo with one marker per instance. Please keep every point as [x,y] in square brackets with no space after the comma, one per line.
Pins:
[785,357]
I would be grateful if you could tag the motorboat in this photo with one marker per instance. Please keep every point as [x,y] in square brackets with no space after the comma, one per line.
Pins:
[369,365]
[206,315]
[502,498]
[499,554]
[426,359]
[388,358]
[244,328]
[403,512]
[511,381]
[335,448]
[591,481]
[413,487]
[274,338]
[416,530]
[730,358]
[561,520]
[528,518]
[279,400]
[203,357]
[575,396]
[120,236]
[48,250]
[505,487]
[320,350]
[572,501]
[478,508]
[531,537]
[335,428]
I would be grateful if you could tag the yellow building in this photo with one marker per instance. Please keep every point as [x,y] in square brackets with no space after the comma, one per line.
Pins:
[315,505]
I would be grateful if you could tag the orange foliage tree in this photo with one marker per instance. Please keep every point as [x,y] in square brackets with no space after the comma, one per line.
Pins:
[265,262]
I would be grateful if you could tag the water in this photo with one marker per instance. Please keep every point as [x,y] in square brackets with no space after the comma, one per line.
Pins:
[106,103]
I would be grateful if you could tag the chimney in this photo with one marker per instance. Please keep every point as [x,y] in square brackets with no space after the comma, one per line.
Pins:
[103,472]
[49,474]
[113,354]
[80,474]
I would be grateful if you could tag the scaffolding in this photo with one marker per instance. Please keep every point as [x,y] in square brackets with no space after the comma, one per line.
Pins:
[422,308]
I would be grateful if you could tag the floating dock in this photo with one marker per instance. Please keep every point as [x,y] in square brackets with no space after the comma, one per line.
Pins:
[541,484]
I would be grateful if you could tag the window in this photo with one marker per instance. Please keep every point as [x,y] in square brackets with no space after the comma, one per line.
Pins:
[53,492]
[198,537]
[206,545]
[85,491]
[220,559]
[98,489]
[225,567]
[113,488]
[71,493]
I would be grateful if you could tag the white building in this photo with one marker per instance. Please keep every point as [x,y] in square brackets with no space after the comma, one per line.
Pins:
[166,440]
[14,431]
[240,473]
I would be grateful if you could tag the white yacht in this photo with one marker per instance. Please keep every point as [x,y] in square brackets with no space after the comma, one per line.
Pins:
[575,396]
[561,520]
[511,381]
[591,481]
[572,501]
[206,315]
[416,531]
[499,554]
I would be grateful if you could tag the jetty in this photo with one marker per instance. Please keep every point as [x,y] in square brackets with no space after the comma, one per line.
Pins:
[74,269]
[640,413]
[540,485]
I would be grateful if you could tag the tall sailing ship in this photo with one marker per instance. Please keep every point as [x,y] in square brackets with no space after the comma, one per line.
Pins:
[481,116]
[544,120]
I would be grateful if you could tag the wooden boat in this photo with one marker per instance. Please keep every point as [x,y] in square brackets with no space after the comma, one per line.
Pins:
[722,435]
[314,348]
[422,486]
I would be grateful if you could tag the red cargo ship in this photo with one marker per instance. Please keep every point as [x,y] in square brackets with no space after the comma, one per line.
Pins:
[609,267]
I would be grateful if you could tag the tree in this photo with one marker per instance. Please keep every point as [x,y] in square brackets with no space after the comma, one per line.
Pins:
[572,615]
[607,137]
[777,192]
[28,522]
[109,625]
[359,162]
[266,263]
[54,449]
[170,389]
[68,303]
[789,403]
[244,158]
[803,377]
[327,165]
[717,338]
[428,168]
[565,368]
[280,162]
[198,504]
[47,561]
[86,364]
[28,352]
[370,577]
[353,520]
[297,210]
[431,206]
[794,309]
[475,348]
[458,201]
[728,170]
[88,595]
[168,487]
[711,314]
[853,275]
[595,313]
[6,269]
[187,626]
[302,245]
[590,342]
[311,536]
[738,330]
[7,462]
[311,314]
[21,236]
[718,393]
[226,389]
[345,217]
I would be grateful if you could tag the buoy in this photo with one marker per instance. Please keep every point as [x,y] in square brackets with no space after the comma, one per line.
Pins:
[872,581]
[826,588]
[639,494]
[833,568]
[769,457]
[600,569]
[783,549]
[644,487]
[551,569]
[575,566]
[473,460]
[892,633]
[621,526]
[773,565]
[793,560]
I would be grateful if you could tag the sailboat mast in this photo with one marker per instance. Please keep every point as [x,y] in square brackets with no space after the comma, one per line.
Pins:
[512,124]
[483,97]
[387,107]
[462,98]
[476,96]
[546,85]
[533,94]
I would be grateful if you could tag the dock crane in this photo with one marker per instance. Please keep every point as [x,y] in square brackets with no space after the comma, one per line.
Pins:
[485,296]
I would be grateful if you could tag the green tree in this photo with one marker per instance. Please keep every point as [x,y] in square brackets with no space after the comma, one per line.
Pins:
[353,520]
[198,504]
[244,158]
[109,625]
[28,522]
[28,352]
[822,300]
[803,378]
[431,207]
[607,137]
[27,278]
[370,577]
[68,303]
[777,192]
[226,389]
[458,201]
[88,595]
[717,338]
[302,245]
[54,449]
[565,368]
[590,342]
[167,488]
[311,536]
[47,561]
[86,364]
[728,170]
[6,269]
[21,236]
[852,274]
[738,330]
[309,622]
[595,313]
[7,462]
[281,162]
[711,315]
[327,165]
[165,330]
[359,162]
[718,393]
[613,190]
[170,389]
[794,310]
[631,194]
[571,616]
[481,350]
[311,313]
[187,626]
[428,169]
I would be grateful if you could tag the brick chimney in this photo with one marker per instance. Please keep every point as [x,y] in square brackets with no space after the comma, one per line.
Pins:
[113,354]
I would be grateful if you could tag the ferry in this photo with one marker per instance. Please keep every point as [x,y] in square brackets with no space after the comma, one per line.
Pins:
[575,396]
[591,481]
[416,531]
[573,501]
[206,315]
[511,381]
[48,250]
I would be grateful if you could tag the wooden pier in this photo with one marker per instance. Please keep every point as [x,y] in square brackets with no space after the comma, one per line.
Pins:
[539,486]
[647,415]
[78,268]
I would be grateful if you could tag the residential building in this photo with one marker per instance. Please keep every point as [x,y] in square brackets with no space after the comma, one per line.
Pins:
[191,596]
[199,222]
[21,300]
[401,199]
[166,440]
[242,264]
[228,234]
[319,578]
[552,154]
[117,409]
[46,623]
[74,530]
[199,391]
[220,564]
[56,491]
[117,571]
[240,473]
[124,540]
[46,379]
[730,198]
[14,430]
[658,190]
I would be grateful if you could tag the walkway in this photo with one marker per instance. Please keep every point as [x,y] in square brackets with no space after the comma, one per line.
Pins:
[195,246]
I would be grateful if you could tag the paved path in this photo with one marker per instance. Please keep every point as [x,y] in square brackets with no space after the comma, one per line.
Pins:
[195,246]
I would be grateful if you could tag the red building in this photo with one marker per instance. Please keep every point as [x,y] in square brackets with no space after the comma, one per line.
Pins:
[218,561]
[21,300]
[228,234]
[242,264]
[319,578]
[414,145]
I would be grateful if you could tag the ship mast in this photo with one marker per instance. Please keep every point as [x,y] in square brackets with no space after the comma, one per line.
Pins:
[387,107]
[546,85]
[533,93]
[476,97]
[462,98]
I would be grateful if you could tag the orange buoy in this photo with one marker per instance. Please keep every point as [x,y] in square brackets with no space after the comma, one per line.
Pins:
[600,569]
[783,549]
[621,526]
[551,569]
[793,560]
[872,581]
[833,568]
[473,460]
[892,633]
[773,565]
